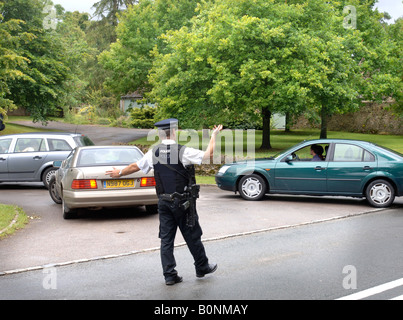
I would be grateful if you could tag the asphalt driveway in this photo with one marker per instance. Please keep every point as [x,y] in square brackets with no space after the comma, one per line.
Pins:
[100,135]
[49,239]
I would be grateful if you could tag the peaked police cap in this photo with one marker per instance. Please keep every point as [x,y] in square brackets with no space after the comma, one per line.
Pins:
[167,124]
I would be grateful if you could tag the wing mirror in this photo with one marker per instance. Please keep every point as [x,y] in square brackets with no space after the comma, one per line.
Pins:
[57,163]
[288,158]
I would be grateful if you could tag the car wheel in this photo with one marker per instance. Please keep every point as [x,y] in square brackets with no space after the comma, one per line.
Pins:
[380,194]
[53,191]
[252,187]
[47,175]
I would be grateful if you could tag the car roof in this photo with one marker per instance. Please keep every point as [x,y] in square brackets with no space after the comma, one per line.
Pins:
[43,134]
[107,147]
[330,140]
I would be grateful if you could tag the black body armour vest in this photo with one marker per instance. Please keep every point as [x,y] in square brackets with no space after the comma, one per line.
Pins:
[174,177]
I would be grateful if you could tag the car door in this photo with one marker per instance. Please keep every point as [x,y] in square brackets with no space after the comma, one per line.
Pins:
[26,158]
[59,149]
[348,168]
[301,174]
[4,158]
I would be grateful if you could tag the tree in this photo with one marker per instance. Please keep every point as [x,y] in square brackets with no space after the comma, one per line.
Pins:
[269,56]
[79,55]
[395,32]
[42,88]
[10,60]
[371,61]
[109,9]
[130,57]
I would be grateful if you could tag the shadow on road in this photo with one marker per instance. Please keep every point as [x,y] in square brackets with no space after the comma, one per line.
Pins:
[21,186]
[105,214]
[304,199]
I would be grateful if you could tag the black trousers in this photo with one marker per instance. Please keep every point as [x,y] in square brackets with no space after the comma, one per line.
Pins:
[171,217]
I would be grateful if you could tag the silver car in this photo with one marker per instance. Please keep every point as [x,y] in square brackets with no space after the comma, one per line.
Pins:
[81,182]
[30,156]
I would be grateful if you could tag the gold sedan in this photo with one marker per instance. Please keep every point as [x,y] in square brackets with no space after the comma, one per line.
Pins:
[81,182]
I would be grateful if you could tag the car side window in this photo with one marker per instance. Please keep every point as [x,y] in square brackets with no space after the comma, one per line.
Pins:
[305,154]
[5,145]
[58,145]
[344,152]
[29,145]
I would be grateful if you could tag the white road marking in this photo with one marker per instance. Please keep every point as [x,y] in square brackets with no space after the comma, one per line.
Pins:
[375,290]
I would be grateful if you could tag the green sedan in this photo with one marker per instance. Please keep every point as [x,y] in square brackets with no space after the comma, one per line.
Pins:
[324,167]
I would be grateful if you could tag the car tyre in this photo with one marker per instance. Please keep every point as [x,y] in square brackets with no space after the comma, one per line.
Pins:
[53,191]
[252,187]
[380,193]
[47,176]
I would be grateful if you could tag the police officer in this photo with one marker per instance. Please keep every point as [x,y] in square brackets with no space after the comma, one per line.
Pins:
[171,163]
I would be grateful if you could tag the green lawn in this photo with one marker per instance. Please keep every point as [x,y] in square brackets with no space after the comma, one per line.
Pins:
[7,214]
[15,128]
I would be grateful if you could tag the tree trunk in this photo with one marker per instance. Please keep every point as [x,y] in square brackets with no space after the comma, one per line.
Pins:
[323,126]
[287,122]
[266,115]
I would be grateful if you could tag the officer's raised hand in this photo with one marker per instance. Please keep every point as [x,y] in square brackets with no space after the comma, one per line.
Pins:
[208,155]
[217,129]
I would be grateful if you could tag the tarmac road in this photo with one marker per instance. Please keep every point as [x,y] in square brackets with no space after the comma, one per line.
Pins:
[359,255]
[49,239]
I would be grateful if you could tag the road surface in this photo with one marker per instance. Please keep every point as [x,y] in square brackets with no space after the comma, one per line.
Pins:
[307,262]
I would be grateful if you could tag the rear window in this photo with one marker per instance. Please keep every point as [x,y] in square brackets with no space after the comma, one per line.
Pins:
[30,145]
[390,151]
[5,145]
[83,141]
[107,157]
[58,145]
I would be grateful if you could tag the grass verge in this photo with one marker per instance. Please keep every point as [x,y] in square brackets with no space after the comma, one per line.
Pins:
[12,218]
[205,180]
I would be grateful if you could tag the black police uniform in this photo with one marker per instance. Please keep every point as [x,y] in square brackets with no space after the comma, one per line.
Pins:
[171,180]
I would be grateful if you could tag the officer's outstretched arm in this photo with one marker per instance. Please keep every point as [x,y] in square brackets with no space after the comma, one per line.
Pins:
[116,173]
[211,146]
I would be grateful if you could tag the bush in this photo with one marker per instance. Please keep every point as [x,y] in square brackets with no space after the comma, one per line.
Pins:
[143,117]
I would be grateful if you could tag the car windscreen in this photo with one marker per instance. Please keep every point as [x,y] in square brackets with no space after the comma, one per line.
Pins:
[108,157]
[284,152]
[83,141]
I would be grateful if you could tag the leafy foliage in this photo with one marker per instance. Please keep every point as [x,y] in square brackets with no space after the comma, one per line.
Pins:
[138,33]
[269,56]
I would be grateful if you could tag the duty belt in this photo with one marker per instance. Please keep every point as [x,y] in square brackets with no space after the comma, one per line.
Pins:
[172,196]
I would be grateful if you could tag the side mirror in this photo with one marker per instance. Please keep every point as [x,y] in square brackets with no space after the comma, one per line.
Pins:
[288,158]
[57,163]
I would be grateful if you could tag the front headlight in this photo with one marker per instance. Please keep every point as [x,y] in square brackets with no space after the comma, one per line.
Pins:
[223,169]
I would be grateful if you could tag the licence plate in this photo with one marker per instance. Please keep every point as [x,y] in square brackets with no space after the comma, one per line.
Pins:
[126,183]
